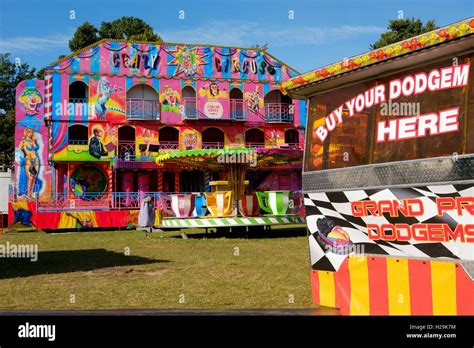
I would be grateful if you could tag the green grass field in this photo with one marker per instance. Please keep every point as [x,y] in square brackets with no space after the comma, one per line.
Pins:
[91,270]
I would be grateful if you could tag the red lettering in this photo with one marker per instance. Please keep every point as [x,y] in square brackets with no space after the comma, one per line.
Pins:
[370,229]
[445,204]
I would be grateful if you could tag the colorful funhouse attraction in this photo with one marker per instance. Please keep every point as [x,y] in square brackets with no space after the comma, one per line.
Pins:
[202,132]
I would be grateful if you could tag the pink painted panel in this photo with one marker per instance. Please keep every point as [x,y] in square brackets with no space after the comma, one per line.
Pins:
[213,99]
[253,101]
[171,101]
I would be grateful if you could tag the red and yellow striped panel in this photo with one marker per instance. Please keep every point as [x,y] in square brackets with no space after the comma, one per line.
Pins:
[377,270]
[398,287]
[359,276]
[343,287]
[322,285]
[443,289]
[420,293]
[395,286]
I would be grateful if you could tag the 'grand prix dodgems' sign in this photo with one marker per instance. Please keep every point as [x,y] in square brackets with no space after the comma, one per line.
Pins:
[417,126]
[422,222]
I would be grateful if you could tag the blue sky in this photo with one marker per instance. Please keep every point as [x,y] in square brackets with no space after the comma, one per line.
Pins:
[321,32]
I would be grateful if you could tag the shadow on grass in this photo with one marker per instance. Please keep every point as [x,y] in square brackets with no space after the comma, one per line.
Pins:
[65,261]
[253,233]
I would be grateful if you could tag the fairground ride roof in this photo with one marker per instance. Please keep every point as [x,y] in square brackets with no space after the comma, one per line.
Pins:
[439,37]
[222,159]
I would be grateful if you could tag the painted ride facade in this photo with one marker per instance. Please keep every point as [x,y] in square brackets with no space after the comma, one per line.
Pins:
[388,177]
[88,136]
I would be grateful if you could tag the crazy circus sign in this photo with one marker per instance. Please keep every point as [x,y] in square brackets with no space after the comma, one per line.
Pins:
[434,123]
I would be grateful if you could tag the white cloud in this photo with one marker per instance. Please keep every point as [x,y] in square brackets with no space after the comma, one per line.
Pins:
[249,33]
[33,44]
[226,33]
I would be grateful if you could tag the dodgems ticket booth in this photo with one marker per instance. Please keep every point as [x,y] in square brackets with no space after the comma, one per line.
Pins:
[388,177]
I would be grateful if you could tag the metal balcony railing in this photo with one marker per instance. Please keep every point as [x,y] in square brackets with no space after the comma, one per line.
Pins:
[279,112]
[168,145]
[132,200]
[238,111]
[100,201]
[294,146]
[77,142]
[190,108]
[212,145]
[126,150]
[78,100]
[68,202]
[143,109]
[254,145]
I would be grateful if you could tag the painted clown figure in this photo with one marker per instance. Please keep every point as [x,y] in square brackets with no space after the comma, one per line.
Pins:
[31,100]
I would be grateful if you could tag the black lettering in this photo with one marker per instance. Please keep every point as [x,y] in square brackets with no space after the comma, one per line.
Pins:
[116,59]
[262,67]
[217,63]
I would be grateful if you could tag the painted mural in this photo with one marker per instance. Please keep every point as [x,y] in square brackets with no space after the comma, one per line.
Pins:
[29,181]
[213,101]
[32,172]
[183,61]
[188,61]
[99,145]
[190,139]
[104,90]
[26,214]
[170,100]
[253,100]
[86,179]
[31,100]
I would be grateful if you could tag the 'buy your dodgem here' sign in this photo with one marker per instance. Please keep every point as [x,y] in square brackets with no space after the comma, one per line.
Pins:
[429,124]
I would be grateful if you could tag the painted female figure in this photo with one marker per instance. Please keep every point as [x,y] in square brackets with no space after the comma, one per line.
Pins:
[29,182]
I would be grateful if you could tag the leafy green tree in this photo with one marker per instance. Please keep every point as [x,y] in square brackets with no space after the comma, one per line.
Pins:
[85,35]
[128,28]
[401,29]
[40,74]
[11,73]
[124,28]
[7,140]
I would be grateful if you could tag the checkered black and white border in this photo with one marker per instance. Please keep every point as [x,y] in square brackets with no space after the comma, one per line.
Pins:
[337,207]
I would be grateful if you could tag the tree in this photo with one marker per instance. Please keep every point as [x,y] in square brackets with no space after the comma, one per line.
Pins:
[401,29]
[124,28]
[40,74]
[128,28]
[11,73]
[85,35]
[7,140]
